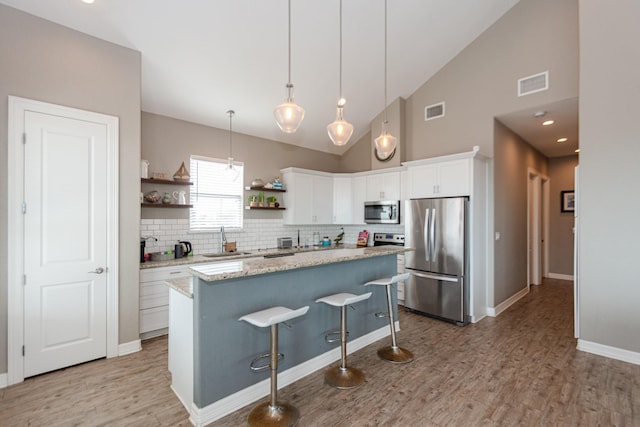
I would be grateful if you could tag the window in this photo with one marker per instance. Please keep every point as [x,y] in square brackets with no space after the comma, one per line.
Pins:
[216,197]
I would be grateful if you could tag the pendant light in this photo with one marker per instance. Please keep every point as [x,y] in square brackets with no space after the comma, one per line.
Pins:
[231,171]
[289,115]
[385,143]
[340,130]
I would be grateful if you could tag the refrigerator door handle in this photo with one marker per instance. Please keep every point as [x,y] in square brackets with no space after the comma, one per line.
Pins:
[432,237]
[435,277]
[425,231]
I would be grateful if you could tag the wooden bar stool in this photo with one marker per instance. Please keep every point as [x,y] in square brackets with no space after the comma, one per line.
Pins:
[273,413]
[392,353]
[343,377]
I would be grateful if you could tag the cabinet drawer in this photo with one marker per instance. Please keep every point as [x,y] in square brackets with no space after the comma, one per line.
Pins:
[152,319]
[153,294]
[163,273]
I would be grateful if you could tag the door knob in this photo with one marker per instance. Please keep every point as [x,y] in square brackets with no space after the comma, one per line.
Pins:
[98,270]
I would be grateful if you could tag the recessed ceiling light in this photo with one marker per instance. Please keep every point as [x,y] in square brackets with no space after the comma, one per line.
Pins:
[562,140]
[539,113]
[548,122]
[577,150]
[88,1]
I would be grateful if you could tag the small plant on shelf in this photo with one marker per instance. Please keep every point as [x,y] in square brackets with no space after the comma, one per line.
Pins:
[272,202]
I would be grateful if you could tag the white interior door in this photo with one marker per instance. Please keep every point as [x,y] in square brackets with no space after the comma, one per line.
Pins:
[65,242]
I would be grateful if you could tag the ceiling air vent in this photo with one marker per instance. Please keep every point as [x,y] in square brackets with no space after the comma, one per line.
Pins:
[533,84]
[434,111]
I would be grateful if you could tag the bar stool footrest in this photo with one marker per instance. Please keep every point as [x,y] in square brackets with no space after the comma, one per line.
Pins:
[255,368]
[331,334]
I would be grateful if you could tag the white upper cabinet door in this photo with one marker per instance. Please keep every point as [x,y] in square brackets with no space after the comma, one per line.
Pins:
[298,199]
[309,198]
[383,186]
[342,205]
[444,179]
[358,193]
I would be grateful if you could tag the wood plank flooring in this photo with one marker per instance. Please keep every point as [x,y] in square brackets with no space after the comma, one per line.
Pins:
[519,369]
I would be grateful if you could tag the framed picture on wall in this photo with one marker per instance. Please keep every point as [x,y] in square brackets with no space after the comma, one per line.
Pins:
[567,201]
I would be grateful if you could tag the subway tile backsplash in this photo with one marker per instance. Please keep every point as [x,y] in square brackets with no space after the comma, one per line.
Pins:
[256,234]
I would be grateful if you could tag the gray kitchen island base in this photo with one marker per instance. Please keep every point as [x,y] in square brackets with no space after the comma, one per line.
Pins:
[211,377]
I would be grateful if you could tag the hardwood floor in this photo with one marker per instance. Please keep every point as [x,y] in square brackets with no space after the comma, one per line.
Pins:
[519,369]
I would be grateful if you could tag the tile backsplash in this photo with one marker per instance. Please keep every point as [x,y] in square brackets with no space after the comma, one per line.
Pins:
[256,234]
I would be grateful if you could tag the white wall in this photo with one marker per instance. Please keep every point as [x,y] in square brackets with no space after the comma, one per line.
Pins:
[609,246]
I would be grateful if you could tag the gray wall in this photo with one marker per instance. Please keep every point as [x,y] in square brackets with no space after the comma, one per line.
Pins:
[480,82]
[166,142]
[51,63]
[560,244]
[358,156]
[609,152]
[513,157]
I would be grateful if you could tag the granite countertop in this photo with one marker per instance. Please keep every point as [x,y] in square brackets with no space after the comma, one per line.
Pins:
[252,265]
[183,285]
[198,259]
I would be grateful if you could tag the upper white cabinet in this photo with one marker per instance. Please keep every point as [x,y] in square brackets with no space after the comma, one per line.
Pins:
[358,193]
[342,201]
[309,196]
[440,179]
[383,186]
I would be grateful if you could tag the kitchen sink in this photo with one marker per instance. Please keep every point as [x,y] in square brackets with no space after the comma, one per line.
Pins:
[225,254]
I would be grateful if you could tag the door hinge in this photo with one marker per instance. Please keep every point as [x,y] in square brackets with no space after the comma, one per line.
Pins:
[24,138]
[24,207]
[23,350]
[24,279]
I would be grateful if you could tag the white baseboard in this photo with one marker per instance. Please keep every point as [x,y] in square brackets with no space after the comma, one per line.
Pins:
[4,380]
[129,347]
[608,351]
[560,276]
[495,311]
[203,416]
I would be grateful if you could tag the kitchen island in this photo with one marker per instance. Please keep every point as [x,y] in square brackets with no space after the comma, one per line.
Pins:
[210,350]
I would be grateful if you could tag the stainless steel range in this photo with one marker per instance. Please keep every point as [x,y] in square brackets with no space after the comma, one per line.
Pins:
[382,239]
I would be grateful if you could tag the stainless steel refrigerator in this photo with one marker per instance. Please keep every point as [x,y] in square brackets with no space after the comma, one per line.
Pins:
[437,229]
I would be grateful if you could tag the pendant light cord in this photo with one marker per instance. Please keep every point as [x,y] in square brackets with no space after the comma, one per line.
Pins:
[340,100]
[230,114]
[289,84]
[385,61]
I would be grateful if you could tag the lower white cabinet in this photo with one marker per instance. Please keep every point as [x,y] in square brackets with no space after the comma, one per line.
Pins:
[401,283]
[154,297]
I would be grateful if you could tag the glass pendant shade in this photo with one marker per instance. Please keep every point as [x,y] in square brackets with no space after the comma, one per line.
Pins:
[340,130]
[231,171]
[385,143]
[288,115]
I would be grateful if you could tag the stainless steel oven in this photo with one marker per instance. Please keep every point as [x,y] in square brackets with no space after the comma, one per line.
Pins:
[382,212]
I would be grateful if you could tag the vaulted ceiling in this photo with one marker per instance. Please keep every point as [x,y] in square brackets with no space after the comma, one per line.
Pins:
[201,58]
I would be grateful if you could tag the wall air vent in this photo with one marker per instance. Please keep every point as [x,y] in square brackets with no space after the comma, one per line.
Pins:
[434,111]
[533,84]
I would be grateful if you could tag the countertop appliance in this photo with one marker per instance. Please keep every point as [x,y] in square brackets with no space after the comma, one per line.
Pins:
[436,229]
[285,242]
[382,212]
[383,239]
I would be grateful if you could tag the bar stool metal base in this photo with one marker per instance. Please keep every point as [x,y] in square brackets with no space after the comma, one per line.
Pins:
[395,354]
[281,415]
[344,378]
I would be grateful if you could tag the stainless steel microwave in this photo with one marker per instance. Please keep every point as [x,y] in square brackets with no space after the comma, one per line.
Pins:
[382,212]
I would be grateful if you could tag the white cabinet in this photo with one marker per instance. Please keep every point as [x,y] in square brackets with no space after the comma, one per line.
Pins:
[383,186]
[358,197]
[309,197]
[443,179]
[401,283]
[342,204]
[154,298]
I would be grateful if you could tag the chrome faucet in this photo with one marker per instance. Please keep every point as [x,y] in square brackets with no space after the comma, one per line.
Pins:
[223,239]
